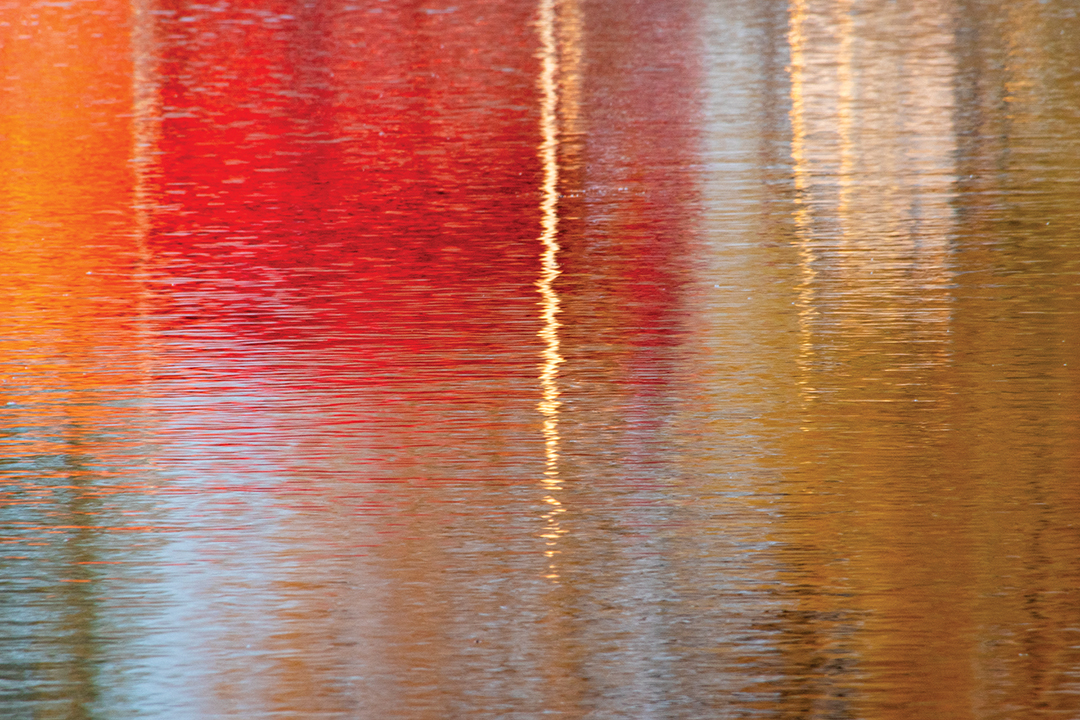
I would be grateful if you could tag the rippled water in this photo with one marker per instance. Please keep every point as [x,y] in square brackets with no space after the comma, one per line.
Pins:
[571,357]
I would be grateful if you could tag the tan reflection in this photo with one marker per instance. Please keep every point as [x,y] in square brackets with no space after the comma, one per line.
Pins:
[845,113]
[549,271]
[873,153]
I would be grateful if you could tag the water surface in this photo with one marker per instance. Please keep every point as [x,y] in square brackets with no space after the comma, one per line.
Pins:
[574,357]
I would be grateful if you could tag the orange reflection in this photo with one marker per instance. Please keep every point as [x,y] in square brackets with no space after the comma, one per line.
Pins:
[71,251]
[75,356]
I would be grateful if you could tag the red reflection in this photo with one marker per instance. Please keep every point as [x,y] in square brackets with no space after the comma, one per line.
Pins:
[348,171]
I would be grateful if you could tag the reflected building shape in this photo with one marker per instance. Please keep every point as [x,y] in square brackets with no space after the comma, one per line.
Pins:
[874,152]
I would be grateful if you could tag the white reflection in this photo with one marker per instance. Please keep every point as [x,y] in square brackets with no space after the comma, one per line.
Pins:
[873,151]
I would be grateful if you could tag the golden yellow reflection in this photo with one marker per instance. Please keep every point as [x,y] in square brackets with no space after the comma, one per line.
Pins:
[549,271]
[874,165]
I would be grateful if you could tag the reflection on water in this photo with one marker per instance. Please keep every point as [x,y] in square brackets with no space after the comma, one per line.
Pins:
[549,271]
[397,359]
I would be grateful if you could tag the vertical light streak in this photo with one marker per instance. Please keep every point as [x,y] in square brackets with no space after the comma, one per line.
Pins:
[549,271]
[801,171]
[146,132]
[845,118]
[147,110]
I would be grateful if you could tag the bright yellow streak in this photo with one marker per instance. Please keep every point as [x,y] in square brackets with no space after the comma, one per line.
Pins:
[549,271]
[549,223]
